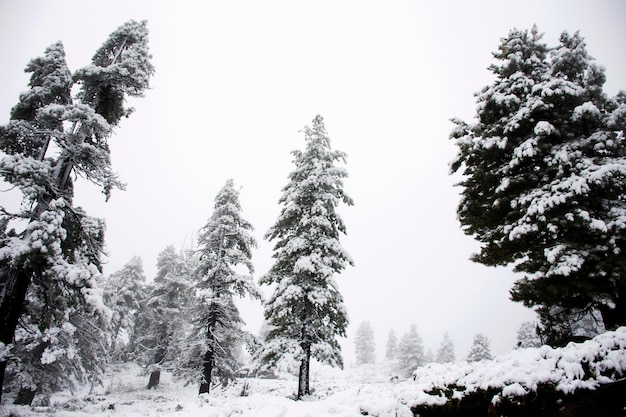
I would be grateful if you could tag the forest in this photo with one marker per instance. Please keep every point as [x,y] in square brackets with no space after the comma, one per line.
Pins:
[542,172]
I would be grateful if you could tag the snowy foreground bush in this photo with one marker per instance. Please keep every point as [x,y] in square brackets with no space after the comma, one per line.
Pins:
[531,381]
[513,378]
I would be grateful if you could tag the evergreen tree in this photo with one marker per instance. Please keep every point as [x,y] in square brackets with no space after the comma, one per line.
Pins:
[445,353]
[527,335]
[364,344]
[306,311]
[225,247]
[391,346]
[60,246]
[162,318]
[544,174]
[480,349]
[410,352]
[124,291]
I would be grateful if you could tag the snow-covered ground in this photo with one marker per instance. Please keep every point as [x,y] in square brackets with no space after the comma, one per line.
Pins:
[353,392]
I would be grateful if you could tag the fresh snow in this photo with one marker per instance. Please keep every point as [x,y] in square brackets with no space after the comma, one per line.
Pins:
[373,389]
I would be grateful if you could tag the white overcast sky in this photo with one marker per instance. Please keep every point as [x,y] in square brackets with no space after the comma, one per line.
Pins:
[237,80]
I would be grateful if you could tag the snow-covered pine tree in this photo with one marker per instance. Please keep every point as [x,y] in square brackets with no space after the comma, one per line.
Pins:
[162,320]
[225,248]
[391,348]
[544,174]
[480,349]
[364,344]
[445,353]
[527,335]
[306,310]
[124,291]
[46,120]
[410,352]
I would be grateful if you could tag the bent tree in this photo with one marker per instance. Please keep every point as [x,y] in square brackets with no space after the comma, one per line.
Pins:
[306,311]
[544,180]
[51,138]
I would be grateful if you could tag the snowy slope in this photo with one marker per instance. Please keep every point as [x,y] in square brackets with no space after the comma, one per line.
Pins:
[353,392]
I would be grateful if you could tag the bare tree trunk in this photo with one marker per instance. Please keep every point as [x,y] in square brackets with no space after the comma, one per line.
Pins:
[614,317]
[205,386]
[303,377]
[25,396]
[155,377]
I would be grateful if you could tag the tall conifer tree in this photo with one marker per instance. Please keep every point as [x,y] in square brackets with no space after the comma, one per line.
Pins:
[306,311]
[225,246]
[544,179]
[59,249]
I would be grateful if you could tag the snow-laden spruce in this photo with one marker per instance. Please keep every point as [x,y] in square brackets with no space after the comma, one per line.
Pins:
[306,311]
[365,344]
[410,353]
[480,349]
[162,320]
[124,291]
[50,250]
[224,271]
[544,175]
[445,353]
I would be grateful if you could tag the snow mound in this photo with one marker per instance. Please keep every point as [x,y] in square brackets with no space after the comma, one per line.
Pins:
[576,366]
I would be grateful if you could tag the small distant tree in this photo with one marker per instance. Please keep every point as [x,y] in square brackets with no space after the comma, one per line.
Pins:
[124,291]
[527,335]
[391,346]
[364,344]
[445,353]
[480,349]
[225,252]
[306,311]
[410,352]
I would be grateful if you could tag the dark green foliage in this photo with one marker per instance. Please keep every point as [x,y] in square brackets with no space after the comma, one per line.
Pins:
[50,139]
[607,400]
[544,175]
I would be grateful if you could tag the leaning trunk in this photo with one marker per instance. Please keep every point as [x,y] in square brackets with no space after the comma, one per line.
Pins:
[303,378]
[207,370]
[15,288]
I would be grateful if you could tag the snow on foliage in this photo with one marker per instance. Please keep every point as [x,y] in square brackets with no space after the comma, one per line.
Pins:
[576,366]
[306,310]
[544,172]
[54,260]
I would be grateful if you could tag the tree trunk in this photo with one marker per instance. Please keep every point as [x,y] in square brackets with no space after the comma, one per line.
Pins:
[205,386]
[15,287]
[25,396]
[155,377]
[614,317]
[303,378]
